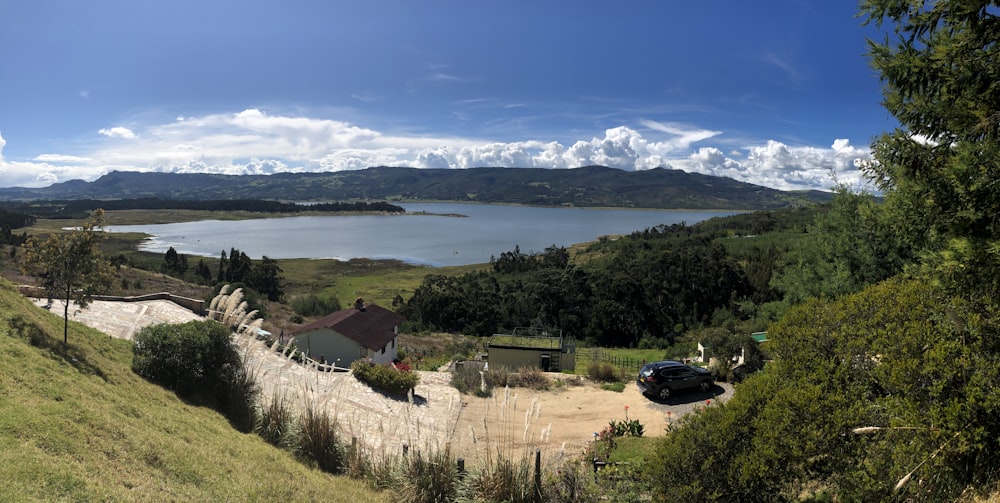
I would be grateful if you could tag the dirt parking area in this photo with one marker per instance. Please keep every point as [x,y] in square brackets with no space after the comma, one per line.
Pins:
[560,421]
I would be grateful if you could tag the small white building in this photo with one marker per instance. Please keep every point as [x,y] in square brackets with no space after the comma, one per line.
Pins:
[363,331]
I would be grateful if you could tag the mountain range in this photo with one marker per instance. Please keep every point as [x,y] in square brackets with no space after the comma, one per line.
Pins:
[586,186]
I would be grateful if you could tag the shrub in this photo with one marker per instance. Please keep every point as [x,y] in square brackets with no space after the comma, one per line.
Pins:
[319,443]
[602,371]
[530,377]
[314,305]
[467,379]
[431,478]
[502,479]
[198,361]
[188,358]
[276,422]
[384,378]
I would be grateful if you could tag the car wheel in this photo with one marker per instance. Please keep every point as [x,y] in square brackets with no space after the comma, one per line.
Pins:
[705,386]
[664,393]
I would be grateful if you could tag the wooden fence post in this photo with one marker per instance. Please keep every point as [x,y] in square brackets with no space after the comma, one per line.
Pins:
[538,475]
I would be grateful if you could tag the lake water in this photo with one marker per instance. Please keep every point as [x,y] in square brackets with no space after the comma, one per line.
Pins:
[486,231]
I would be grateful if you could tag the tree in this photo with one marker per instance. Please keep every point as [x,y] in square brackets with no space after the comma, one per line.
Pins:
[265,277]
[939,168]
[70,265]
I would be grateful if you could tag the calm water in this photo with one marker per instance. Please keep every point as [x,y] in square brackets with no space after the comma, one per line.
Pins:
[433,240]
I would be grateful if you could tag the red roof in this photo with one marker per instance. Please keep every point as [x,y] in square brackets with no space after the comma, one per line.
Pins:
[373,327]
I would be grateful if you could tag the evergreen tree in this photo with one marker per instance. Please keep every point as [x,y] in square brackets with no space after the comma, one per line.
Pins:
[939,169]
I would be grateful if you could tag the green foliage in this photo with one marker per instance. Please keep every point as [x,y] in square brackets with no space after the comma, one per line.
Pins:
[617,387]
[384,377]
[428,478]
[263,277]
[319,443]
[939,168]
[70,265]
[627,427]
[653,285]
[314,305]
[901,356]
[198,361]
[848,247]
[174,263]
[276,422]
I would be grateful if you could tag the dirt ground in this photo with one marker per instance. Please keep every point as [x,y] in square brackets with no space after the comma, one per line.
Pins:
[516,421]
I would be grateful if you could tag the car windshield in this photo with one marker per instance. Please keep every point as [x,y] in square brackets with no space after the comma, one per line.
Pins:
[646,371]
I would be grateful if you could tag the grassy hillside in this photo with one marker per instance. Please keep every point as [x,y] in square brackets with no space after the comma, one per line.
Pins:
[78,425]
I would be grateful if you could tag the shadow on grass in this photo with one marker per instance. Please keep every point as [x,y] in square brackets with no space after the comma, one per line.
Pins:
[73,355]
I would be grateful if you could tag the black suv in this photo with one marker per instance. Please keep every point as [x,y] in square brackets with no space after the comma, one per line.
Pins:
[662,379]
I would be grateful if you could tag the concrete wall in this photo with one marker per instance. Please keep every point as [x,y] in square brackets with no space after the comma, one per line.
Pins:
[194,305]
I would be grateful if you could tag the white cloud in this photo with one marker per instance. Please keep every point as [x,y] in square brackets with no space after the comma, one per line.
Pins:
[60,158]
[118,132]
[254,141]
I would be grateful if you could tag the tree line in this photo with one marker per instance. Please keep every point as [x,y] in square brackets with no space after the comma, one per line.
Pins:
[81,207]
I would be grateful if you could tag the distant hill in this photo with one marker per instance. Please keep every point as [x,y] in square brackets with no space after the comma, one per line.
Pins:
[586,186]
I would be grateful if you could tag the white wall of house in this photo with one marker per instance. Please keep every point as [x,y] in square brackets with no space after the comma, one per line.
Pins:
[330,344]
[386,354]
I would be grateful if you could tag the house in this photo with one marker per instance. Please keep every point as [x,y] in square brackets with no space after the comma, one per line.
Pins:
[528,347]
[363,331]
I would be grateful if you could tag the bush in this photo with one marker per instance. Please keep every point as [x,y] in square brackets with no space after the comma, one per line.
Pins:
[467,379]
[530,377]
[384,378]
[431,478]
[602,371]
[314,305]
[198,361]
[319,443]
[276,422]
[187,358]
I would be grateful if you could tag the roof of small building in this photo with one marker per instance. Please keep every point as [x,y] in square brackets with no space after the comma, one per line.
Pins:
[370,326]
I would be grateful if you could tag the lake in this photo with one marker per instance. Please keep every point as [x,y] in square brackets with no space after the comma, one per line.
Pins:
[435,240]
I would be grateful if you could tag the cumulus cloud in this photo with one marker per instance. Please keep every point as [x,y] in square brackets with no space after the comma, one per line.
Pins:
[254,141]
[118,132]
[779,166]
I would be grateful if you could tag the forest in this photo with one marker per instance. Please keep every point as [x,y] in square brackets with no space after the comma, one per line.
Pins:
[80,208]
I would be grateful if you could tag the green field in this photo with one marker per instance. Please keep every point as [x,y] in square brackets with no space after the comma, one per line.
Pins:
[626,361]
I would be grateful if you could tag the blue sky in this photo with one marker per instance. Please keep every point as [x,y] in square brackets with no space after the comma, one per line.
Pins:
[777,93]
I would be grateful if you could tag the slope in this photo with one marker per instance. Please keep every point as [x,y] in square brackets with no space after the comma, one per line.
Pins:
[78,425]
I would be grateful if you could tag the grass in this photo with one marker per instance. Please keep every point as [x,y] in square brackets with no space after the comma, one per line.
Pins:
[76,424]
[626,361]
[632,449]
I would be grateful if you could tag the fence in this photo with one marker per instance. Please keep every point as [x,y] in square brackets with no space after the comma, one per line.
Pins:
[624,364]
